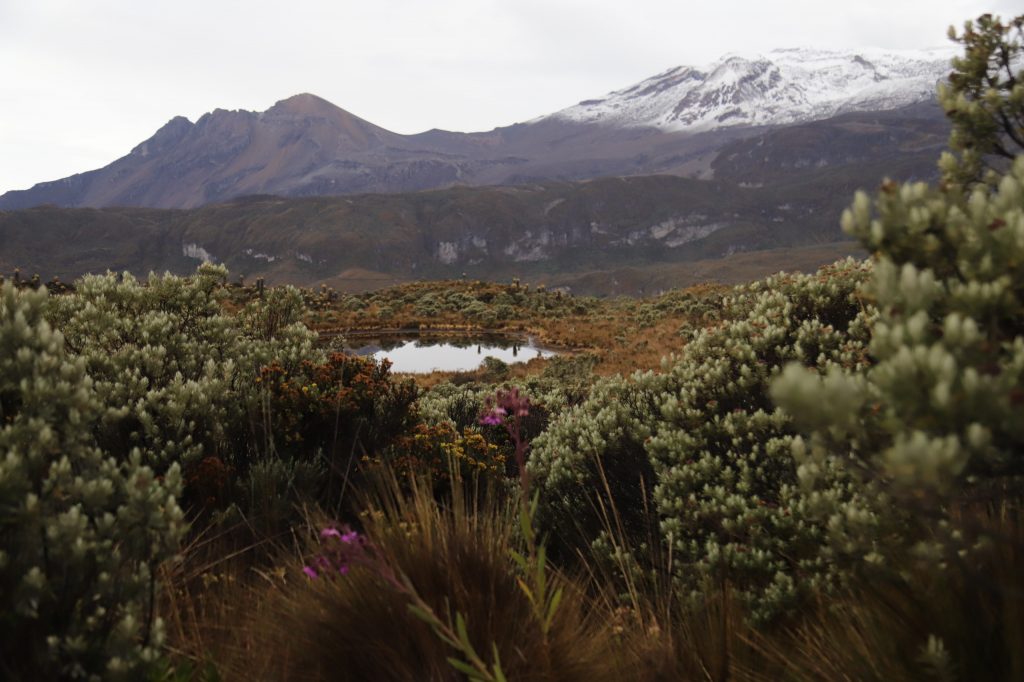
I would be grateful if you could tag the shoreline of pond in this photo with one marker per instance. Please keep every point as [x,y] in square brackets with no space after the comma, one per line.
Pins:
[520,337]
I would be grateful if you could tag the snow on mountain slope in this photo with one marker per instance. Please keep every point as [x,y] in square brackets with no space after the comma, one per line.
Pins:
[781,87]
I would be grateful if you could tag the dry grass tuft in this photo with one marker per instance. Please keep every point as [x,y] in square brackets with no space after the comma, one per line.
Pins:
[230,619]
[963,622]
[457,556]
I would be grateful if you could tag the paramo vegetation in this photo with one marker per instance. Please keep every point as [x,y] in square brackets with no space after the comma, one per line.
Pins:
[820,480]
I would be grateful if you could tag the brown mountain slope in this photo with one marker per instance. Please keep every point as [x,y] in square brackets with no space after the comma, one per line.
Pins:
[306,146]
[535,231]
[225,152]
[914,135]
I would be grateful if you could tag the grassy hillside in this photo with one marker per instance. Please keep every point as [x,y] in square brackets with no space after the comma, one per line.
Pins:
[550,232]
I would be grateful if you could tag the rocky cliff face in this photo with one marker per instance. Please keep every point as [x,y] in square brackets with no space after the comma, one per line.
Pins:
[486,232]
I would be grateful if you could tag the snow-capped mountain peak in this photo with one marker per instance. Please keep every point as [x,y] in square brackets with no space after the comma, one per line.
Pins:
[780,87]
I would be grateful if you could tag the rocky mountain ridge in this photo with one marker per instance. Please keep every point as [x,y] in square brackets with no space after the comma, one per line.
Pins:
[779,88]
[674,123]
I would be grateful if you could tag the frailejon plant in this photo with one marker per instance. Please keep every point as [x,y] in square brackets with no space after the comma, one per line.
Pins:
[701,449]
[82,529]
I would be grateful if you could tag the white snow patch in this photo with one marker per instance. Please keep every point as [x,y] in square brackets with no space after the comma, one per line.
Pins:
[663,229]
[675,231]
[779,87]
[533,253]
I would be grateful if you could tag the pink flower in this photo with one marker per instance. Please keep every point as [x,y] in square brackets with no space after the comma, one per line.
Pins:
[503,404]
[492,418]
[351,549]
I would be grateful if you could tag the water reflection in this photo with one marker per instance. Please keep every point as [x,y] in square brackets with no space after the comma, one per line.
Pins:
[429,355]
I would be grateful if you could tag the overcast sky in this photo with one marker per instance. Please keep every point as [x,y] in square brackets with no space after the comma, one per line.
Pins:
[84,81]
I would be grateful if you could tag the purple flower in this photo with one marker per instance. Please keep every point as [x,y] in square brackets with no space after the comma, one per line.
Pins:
[490,419]
[510,403]
[351,549]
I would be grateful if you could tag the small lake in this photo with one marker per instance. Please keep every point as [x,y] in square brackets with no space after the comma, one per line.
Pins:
[423,355]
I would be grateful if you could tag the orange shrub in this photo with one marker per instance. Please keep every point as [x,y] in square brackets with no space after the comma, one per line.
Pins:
[345,405]
[437,451]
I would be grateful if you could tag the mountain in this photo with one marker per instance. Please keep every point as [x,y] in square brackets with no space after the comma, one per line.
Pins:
[648,229]
[780,88]
[290,148]
[902,143]
[677,123]
[305,146]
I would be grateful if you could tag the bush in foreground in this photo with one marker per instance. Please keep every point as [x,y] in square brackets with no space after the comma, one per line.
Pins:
[701,451]
[82,529]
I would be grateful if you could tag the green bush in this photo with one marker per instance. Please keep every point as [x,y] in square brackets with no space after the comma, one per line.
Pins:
[447,403]
[265,318]
[934,424]
[984,99]
[936,419]
[177,376]
[83,528]
[701,451]
[495,369]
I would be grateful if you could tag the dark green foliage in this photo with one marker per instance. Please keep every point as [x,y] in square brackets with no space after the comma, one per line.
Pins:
[963,621]
[985,99]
